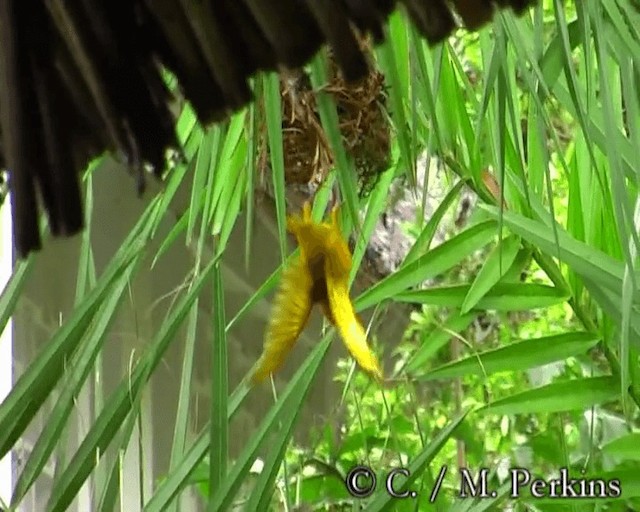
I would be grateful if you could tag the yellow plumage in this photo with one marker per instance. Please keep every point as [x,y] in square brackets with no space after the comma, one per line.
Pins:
[351,330]
[319,275]
[289,316]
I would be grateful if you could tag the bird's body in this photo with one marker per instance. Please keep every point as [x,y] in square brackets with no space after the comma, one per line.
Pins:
[320,275]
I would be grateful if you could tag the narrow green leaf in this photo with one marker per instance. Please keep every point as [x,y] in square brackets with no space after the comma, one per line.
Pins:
[552,61]
[425,89]
[572,79]
[599,134]
[286,420]
[111,490]
[177,479]
[84,260]
[518,356]
[572,395]
[38,380]
[265,288]
[376,205]
[502,297]
[432,264]
[423,242]
[184,397]
[219,448]
[621,204]
[253,147]
[331,126]
[438,338]
[496,58]
[393,57]
[177,229]
[584,259]
[625,447]
[193,143]
[495,266]
[120,403]
[13,288]
[187,121]
[214,183]
[610,302]
[81,366]
[229,174]
[288,402]
[225,223]
[173,183]
[200,177]
[520,264]
[273,113]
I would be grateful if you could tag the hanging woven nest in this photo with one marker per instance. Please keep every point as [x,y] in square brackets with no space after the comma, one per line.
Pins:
[363,121]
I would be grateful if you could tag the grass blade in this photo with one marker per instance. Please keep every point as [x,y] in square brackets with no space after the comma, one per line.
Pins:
[79,370]
[40,377]
[518,356]
[293,394]
[571,395]
[435,262]
[495,266]
[438,338]
[273,113]
[121,403]
[219,449]
[502,297]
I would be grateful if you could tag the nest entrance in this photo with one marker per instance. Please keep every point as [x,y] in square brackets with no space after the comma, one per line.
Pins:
[364,126]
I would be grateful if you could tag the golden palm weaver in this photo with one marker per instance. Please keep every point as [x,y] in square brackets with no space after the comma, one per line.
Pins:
[320,275]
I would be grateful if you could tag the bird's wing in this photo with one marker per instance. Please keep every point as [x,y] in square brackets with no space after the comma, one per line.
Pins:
[351,330]
[289,315]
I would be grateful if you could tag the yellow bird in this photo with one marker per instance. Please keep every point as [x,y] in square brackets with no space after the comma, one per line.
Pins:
[319,276]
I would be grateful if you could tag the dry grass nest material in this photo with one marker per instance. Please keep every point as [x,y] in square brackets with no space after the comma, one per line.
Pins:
[364,125]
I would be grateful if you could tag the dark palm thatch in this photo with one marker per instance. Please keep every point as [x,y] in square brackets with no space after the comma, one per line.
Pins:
[78,77]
